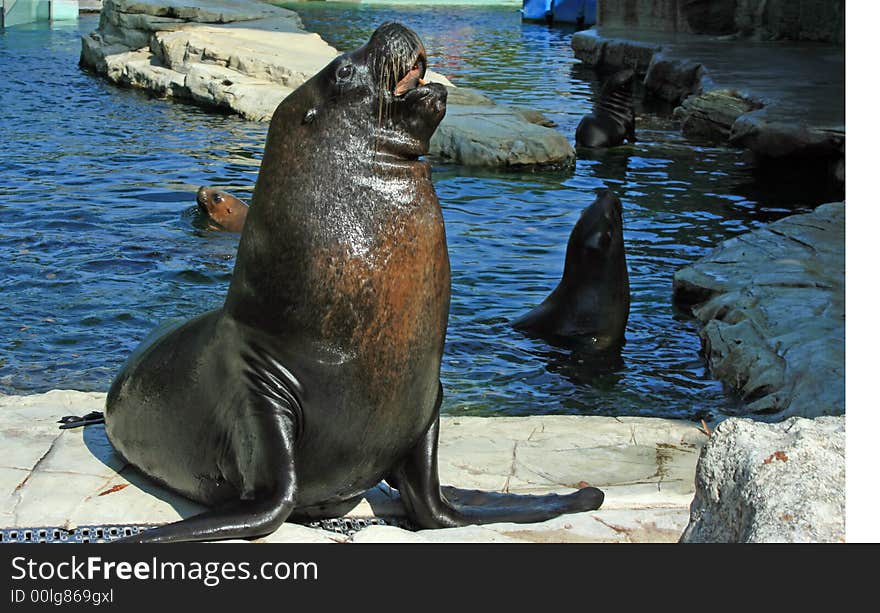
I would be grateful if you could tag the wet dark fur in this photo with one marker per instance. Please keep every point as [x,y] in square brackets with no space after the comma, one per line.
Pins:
[590,304]
[613,120]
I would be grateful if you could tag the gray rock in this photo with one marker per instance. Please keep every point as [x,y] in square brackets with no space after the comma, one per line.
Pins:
[161,12]
[772,302]
[674,80]
[711,115]
[760,483]
[785,139]
[497,136]
[612,54]
[819,20]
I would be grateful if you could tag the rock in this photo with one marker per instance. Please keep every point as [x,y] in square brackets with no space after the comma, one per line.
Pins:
[785,139]
[51,477]
[712,114]
[162,12]
[786,146]
[818,20]
[285,58]
[536,117]
[610,54]
[674,80]
[761,483]
[772,302]
[480,135]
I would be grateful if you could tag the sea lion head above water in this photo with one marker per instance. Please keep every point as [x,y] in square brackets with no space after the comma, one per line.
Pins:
[613,119]
[222,209]
[590,305]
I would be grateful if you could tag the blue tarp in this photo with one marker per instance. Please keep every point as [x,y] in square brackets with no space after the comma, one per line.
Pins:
[568,11]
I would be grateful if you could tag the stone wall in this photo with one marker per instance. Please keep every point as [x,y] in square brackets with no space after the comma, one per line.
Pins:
[817,20]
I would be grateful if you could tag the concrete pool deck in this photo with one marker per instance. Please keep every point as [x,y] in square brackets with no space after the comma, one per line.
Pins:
[646,466]
[245,57]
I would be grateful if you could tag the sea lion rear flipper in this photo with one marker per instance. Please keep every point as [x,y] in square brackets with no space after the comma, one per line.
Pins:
[268,483]
[429,507]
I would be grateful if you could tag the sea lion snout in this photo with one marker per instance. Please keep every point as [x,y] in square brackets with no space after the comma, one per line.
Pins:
[399,58]
[202,198]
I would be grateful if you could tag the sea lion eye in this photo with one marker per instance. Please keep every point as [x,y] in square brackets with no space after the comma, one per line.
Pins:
[344,71]
[218,198]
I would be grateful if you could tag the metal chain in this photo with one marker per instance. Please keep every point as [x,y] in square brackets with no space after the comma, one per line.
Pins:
[107,533]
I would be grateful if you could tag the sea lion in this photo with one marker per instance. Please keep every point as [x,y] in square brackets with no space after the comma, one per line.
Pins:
[591,303]
[224,210]
[614,118]
[319,376]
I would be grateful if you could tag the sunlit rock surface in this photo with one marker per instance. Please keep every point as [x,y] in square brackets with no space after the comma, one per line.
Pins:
[245,57]
[645,466]
[773,305]
[771,483]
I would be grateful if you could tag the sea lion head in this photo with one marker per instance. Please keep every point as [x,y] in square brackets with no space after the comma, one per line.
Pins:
[222,210]
[372,100]
[597,238]
[621,78]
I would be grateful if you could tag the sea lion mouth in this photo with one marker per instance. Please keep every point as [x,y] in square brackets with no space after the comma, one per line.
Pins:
[399,59]
[414,77]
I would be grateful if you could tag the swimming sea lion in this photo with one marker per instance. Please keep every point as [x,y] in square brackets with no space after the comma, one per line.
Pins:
[591,302]
[319,376]
[614,118]
[222,209]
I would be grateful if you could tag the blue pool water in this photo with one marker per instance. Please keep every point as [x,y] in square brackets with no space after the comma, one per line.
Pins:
[100,241]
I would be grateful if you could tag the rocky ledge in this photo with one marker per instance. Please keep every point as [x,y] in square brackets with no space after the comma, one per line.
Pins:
[646,467]
[245,57]
[773,305]
[795,116]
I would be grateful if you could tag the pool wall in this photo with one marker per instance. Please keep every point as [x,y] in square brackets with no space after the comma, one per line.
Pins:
[814,20]
[17,12]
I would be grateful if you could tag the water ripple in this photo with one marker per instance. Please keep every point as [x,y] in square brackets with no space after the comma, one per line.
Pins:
[100,239]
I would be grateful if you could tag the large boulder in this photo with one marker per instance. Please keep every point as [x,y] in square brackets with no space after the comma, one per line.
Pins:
[481,135]
[772,302]
[711,115]
[762,483]
[674,80]
[612,54]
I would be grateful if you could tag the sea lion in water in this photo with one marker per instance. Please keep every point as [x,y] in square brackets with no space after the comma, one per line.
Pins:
[319,376]
[614,118]
[222,209]
[591,303]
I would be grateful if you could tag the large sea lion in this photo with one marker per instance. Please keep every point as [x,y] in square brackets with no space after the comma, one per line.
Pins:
[613,120]
[224,210]
[590,305]
[319,376]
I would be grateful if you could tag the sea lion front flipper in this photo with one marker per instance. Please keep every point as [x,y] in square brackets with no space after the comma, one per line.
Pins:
[268,477]
[430,507]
